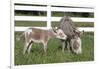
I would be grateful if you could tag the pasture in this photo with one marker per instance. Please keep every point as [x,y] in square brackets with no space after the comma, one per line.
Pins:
[40,13]
[54,52]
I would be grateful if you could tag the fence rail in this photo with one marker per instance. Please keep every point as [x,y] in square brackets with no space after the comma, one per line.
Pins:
[86,29]
[73,3]
[58,9]
[56,6]
[39,18]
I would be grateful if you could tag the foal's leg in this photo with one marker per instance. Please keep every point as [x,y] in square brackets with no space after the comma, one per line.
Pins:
[27,41]
[45,47]
[30,46]
[25,47]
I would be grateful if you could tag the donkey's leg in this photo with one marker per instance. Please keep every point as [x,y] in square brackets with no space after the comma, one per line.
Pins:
[25,47]
[68,45]
[63,46]
[30,46]
[45,47]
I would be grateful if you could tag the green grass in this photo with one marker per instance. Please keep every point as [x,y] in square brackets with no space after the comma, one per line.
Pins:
[43,24]
[54,53]
[30,23]
[72,14]
[54,14]
[84,24]
[77,24]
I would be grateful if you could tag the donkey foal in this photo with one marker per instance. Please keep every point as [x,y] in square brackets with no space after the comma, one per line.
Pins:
[41,36]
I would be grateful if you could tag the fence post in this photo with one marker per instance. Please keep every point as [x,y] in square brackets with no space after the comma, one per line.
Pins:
[49,16]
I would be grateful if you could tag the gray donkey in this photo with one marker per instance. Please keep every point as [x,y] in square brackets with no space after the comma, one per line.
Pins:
[73,41]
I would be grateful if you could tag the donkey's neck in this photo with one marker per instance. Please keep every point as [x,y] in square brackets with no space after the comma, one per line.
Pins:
[52,34]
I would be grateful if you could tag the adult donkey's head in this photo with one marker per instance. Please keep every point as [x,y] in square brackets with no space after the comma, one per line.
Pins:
[76,42]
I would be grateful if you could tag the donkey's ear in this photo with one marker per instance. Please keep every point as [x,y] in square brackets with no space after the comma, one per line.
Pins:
[76,31]
[55,29]
[82,32]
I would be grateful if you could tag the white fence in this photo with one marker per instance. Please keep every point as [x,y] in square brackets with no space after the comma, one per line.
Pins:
[71,6]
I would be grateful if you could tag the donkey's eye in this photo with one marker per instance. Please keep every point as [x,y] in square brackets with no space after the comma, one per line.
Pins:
[61,34]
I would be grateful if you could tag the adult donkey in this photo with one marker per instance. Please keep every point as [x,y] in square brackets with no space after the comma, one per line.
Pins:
[73,41]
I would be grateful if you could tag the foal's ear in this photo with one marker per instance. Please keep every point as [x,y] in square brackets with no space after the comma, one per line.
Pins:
[82,32]
[55,29]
